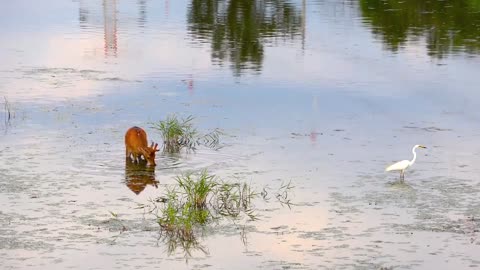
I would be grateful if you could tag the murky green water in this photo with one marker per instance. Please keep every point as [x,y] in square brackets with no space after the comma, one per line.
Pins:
[324,94]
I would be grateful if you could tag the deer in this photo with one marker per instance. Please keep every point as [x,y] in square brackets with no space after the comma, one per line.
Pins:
[136,145]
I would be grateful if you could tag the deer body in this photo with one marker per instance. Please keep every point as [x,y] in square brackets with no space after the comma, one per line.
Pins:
[136,146]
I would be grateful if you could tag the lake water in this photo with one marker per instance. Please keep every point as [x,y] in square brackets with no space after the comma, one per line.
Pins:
[321,94]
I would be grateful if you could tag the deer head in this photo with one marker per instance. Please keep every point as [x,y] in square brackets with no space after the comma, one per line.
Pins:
[149,153]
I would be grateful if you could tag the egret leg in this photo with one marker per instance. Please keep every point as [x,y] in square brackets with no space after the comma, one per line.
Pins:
[402,176]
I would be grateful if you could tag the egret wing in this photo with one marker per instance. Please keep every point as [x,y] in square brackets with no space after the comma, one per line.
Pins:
[401,165]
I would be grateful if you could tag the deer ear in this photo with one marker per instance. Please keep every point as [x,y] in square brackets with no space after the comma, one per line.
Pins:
[151,145]
[155,148]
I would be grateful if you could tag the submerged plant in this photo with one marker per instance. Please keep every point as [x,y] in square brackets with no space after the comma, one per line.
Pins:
[123,228]
[9,114]
[178,133]
[234,199]
[282,194]
[8,111]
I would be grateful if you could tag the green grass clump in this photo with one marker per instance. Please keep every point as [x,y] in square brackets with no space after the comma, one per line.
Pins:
[179,133]
[197,191]
[197,200]
[201,199]
[176,133]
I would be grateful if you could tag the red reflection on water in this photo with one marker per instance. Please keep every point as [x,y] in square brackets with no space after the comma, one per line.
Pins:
[167,8]
[313,136]
[190,84]
[110,27]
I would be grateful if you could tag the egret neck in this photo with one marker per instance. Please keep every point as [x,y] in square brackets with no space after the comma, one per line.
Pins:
[414,155]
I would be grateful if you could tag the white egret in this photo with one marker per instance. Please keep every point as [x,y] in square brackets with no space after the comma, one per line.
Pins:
[404,164]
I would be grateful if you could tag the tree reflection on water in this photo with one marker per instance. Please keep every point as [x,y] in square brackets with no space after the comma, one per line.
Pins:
[448,26]
[239,29]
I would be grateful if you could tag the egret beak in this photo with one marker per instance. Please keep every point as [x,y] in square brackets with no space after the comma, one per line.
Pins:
[421,146]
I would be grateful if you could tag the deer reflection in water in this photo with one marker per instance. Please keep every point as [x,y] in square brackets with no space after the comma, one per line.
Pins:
[139,175]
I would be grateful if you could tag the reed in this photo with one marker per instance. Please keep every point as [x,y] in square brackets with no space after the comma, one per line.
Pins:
[180,133]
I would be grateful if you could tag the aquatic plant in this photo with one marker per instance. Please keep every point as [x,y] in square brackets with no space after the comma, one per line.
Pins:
[122,227]
[233,199]
[282,194]
[198,199]
[8,111]
[9,114]
[174,242]
[198,190]
[201,199]
[178,133]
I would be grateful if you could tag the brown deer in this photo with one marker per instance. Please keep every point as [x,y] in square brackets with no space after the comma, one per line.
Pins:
[137,146]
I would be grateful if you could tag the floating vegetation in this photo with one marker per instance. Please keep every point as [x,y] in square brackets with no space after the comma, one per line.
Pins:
[233,200]
[119,223]
[9,114]
[202,199]
[180,133]
[282,194]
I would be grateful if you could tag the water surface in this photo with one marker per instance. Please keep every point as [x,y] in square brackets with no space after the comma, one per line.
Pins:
[324,94]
